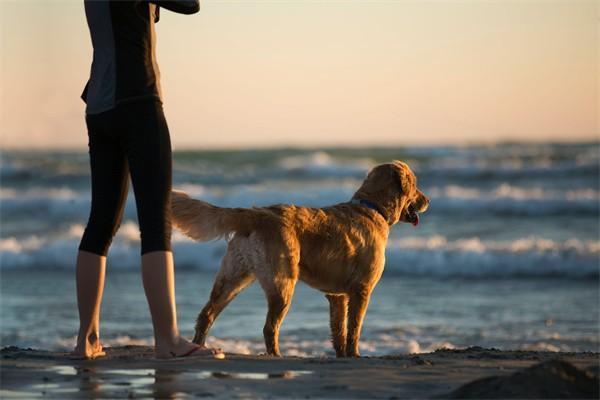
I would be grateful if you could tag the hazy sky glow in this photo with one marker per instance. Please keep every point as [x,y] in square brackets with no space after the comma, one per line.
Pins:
[268,73]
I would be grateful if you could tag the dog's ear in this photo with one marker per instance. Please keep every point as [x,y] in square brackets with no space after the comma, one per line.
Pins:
[403,176]
[378,179]
[396,175]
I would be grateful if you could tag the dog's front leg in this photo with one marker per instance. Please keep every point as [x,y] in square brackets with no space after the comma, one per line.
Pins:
[357,307]
[338,313]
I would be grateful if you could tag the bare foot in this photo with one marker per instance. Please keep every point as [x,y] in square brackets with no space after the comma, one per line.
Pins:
[186,349]
[88,350]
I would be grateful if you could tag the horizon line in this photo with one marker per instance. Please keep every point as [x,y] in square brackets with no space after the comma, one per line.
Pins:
[326,146]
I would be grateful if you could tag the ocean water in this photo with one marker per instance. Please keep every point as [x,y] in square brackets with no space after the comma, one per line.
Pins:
[507,255]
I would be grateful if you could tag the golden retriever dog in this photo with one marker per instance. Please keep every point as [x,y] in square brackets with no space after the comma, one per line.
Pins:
[339,250]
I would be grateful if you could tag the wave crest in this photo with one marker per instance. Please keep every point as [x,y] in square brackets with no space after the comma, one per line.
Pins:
[435,256]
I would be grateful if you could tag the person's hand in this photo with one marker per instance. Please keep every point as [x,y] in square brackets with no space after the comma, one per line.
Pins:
[179,6]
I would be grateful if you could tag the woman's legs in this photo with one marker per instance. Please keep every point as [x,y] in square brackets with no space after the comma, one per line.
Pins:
[132,139]
[90,285]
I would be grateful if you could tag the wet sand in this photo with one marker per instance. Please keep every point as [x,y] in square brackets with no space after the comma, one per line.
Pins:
[133,372]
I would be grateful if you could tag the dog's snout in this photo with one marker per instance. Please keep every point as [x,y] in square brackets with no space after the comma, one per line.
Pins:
[422,203]
[425,205]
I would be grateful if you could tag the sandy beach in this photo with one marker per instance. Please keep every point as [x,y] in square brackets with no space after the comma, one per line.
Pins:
[133,372]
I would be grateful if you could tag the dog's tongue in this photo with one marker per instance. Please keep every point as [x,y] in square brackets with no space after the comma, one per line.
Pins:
[414,216]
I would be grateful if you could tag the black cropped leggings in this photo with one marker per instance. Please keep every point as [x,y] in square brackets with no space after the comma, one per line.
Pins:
[131,139]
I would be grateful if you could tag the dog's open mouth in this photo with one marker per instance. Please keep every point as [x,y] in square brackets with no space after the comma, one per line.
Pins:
[412,216]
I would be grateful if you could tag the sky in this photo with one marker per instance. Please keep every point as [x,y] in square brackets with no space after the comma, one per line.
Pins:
[322,73]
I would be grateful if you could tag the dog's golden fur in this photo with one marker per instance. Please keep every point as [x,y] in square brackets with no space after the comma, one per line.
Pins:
[339,250]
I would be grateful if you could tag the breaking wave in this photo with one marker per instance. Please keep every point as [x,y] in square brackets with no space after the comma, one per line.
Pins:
[505,199]
[415,256]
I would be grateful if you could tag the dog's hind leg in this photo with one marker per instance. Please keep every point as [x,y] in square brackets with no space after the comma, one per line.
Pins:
[232,278]
[338,315]
[279,297]
[358,300]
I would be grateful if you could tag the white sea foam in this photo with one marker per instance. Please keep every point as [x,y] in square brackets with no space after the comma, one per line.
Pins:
[60,193]
[435,256]
[371,344]
[322,164]
[473,162]
[65,204]
[506,191]
[473,257]
[290,345]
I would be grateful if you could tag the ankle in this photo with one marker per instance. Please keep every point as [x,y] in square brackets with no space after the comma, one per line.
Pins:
[168,341]
[167,338]
[174,344]
[88,337]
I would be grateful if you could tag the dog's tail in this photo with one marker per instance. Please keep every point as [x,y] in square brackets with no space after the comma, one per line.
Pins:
[203,221]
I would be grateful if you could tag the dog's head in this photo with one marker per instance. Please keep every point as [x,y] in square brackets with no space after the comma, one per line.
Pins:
[393,188]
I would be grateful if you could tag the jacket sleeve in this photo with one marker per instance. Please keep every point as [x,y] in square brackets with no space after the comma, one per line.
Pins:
[179,6]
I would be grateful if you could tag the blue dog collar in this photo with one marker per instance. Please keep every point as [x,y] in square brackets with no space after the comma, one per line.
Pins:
[370,205]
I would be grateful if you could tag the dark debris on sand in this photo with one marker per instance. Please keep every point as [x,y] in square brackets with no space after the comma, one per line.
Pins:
[14,352]
[554,379]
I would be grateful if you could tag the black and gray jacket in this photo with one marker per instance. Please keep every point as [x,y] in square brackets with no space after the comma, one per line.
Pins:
[124,67]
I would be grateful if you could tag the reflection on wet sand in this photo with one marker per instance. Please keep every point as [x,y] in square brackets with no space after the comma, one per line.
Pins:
[161,383]
[166,383]
[253,375]
[95,384]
